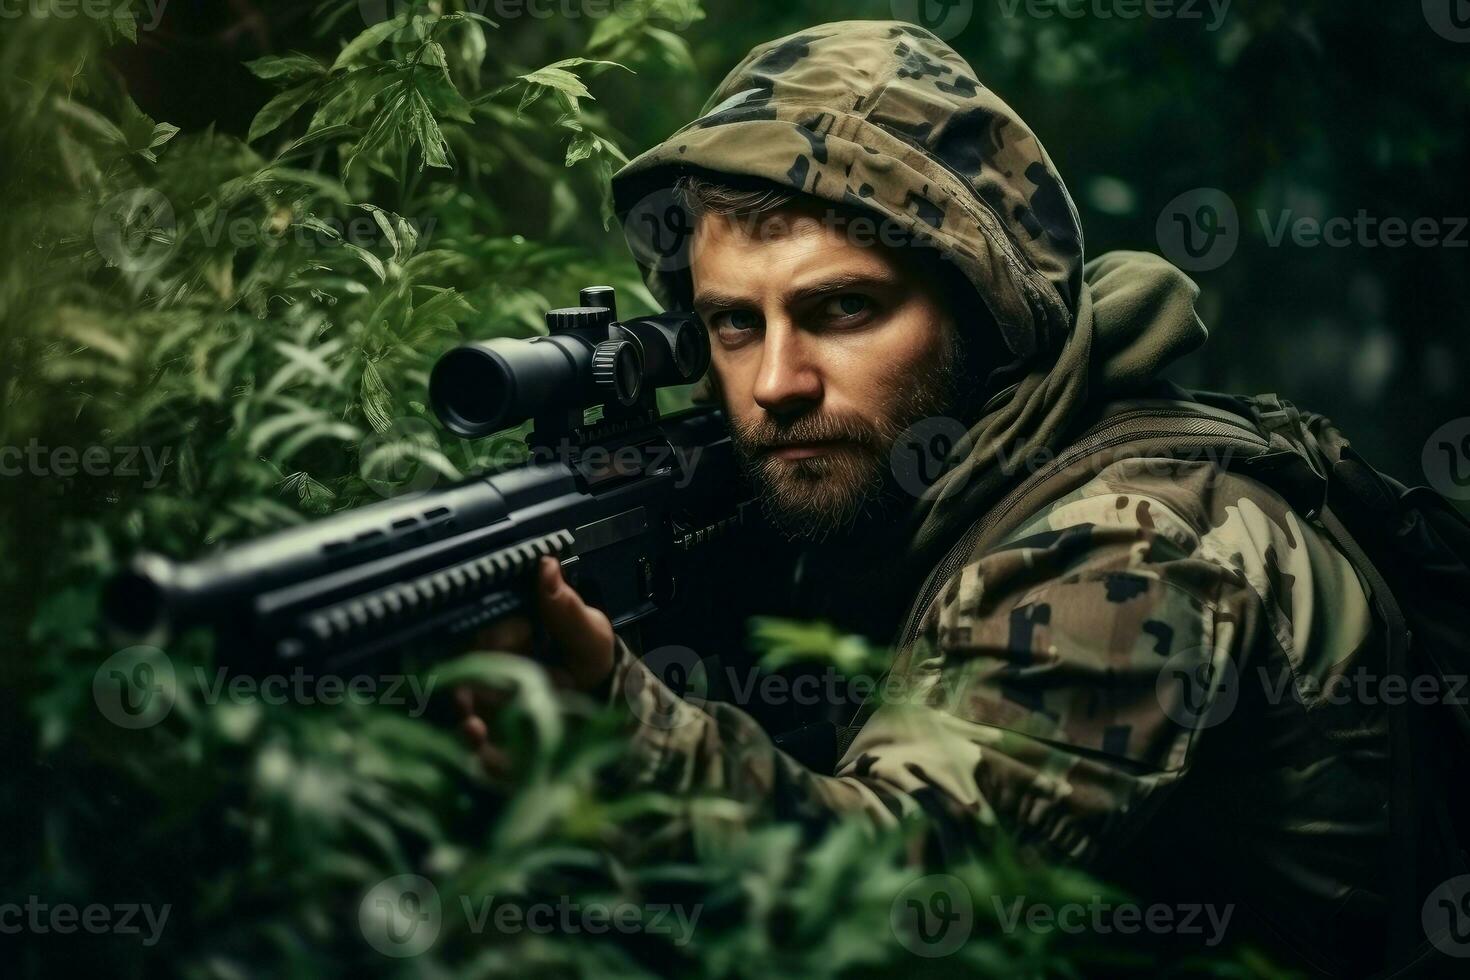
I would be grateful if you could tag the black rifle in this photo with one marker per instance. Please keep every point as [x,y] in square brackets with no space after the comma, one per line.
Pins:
[639,510]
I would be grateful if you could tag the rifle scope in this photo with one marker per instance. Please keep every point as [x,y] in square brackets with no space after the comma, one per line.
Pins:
[587,358]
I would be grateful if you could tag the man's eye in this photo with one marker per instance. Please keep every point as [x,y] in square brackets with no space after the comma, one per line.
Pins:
[847,306]
[735,320]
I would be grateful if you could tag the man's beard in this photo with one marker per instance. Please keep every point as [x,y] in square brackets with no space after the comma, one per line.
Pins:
[851,486]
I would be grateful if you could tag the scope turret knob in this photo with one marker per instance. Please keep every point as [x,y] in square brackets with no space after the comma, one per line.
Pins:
[600,296]
[577,318]
[617,370]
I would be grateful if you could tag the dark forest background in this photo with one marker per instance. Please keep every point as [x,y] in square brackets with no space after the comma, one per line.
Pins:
[1312,109]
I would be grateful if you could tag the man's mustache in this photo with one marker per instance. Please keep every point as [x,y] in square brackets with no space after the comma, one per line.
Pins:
[767,434]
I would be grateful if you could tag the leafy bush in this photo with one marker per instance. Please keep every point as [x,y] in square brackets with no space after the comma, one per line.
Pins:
[237,333]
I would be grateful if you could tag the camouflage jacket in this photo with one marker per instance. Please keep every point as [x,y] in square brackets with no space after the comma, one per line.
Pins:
[1163,665]
[1152,673]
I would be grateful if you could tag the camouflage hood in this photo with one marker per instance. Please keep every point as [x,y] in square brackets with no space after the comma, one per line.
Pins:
[885,116]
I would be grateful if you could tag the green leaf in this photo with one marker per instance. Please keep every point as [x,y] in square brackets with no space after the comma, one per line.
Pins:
[369,39]
[93,120]
[162,133]
[322,135]
[390,120]
[369,259]
[580,148]
[556,77]
[427,134]
[291,67]
[279,109]
[377,404]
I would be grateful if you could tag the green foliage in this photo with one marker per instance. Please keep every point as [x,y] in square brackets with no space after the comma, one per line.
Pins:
[256,316]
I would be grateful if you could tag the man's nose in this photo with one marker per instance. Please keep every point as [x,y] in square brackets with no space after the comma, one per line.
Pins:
[788,380]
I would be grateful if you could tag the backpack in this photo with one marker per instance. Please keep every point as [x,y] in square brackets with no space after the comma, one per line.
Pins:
[1412,549]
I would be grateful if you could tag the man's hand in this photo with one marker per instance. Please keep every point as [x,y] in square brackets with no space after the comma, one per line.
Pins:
[577,650]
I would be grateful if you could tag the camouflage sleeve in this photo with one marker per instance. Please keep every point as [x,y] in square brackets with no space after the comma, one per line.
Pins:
[1060,683]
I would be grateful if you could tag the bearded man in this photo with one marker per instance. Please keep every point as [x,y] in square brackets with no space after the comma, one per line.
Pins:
[883,254]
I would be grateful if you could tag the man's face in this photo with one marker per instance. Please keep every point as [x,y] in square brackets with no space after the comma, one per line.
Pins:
[825,350]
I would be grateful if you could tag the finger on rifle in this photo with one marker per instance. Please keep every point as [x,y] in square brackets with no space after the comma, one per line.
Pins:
[510,635]
[473,698]
[582,635]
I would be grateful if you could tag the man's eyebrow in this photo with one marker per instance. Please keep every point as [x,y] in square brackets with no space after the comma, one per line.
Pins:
[842,282]
[713,297]
[837,283]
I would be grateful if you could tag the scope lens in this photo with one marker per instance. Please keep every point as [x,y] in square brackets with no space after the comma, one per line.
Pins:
[470,388]
[686,352]
[630,375]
